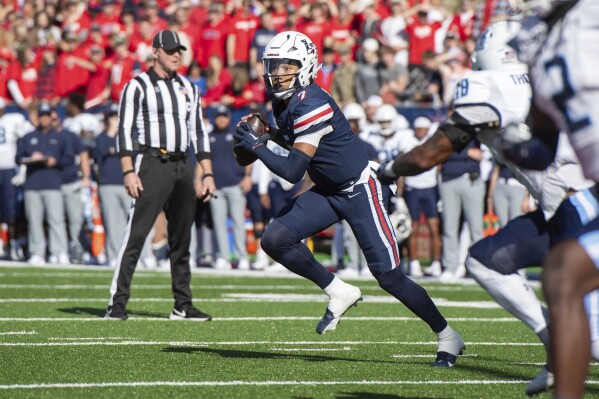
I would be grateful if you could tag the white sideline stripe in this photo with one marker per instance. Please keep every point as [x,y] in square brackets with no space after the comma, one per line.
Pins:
[258,383]
[82,338]
[432,356]
[240,343]
[269,298]
[274,318]
[18,333]
[345,348]
[543,363]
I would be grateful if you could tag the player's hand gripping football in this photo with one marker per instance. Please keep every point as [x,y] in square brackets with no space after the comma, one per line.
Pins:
[251,132]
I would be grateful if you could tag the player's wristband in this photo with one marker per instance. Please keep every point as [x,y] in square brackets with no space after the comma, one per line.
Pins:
[127,172]
[207,175]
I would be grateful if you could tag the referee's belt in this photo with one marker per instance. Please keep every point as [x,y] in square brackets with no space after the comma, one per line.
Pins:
[163,154]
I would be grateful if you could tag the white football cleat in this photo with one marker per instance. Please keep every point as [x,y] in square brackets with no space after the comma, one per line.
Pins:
[449,346]
[542,382]
[342,297]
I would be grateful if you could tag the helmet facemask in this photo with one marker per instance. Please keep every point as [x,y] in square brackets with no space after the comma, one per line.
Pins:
[276,74]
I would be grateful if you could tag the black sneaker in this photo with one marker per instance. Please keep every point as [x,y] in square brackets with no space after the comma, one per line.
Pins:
[116,312]
[189,313]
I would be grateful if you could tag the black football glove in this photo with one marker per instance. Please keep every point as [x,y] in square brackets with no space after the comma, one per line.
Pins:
[247,138]
[385,173]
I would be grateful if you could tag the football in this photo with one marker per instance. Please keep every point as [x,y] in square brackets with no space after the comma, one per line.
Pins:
[257,123]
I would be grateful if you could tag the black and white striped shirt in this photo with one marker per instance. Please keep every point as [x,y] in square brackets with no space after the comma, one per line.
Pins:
[165,113]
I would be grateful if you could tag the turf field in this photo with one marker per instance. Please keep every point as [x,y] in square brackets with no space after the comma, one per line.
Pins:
[261,344]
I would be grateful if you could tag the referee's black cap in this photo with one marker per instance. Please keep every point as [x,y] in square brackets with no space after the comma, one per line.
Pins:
[168,40]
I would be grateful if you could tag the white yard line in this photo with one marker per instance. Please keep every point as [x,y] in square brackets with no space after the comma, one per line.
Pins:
[17,332]
[432,356]
[258,383]
[274,318]
[241,343]
[345,348]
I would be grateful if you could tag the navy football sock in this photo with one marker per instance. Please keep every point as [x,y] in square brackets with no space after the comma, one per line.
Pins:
[414,297]
[285,247]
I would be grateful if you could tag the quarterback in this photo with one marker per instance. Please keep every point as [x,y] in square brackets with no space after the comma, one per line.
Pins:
[321,142]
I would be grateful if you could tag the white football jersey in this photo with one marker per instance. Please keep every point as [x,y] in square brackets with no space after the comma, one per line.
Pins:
[83,122]
[13,126]
[497,98]
[565,83]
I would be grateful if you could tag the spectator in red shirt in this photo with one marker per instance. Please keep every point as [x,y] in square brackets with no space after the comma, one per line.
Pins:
[278,13]
[124,67]
[153,14]
[95,37]
[421,36]
[6,57]
[238,93]
[342,32]
[75,18]
[324,78]
[128,24]
[318,26]
[213,36]
[191,30]
[141,41]
[463,22]
[110,18]
[245,24]
[97,91]
[23,76]
[71,77]
[218,81]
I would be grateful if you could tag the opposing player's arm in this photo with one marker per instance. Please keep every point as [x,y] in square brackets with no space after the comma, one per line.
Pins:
[435,150]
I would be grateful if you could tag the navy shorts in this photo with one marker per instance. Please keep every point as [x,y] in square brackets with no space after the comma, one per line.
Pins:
[8,197]
[421,200]
[525,240]
[365,210]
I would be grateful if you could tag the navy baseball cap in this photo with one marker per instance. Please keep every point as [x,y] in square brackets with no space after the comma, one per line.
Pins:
[44,109]
[222,110]
[168,40]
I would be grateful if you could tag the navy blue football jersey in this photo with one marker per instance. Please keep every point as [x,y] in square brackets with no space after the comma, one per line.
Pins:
[340,158]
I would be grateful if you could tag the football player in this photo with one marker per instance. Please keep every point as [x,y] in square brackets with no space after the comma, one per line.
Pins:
[494,95]
[322,143]
[560,41]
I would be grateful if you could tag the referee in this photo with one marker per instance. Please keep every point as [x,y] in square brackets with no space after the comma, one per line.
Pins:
[164,109]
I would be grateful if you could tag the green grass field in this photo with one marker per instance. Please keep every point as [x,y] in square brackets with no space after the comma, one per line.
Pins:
[261,344]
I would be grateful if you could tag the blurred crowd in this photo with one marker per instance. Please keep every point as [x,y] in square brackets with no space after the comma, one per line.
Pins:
[406,51]
[63,65]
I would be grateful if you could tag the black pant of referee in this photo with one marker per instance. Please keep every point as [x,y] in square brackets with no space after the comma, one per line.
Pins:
[167,180]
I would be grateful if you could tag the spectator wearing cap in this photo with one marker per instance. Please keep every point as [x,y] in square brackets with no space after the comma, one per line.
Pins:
[124,66]
[115,203]
[45,153]
[342,86]
[368,75]
[232,184]
[164,109]
[214,37]
[13,126]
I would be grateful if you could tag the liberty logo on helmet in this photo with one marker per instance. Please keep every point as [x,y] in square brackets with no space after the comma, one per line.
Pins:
[310,47]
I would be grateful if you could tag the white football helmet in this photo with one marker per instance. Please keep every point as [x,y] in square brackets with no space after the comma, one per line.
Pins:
[389,120]
[292,48]
[355,112]
[492,50]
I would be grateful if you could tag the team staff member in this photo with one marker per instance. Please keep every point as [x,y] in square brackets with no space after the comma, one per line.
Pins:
[165,110]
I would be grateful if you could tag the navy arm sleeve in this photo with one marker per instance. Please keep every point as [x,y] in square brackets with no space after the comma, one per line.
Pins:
[291,168]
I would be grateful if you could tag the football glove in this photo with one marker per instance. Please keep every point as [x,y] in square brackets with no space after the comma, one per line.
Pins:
[247,138]
[385,173]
